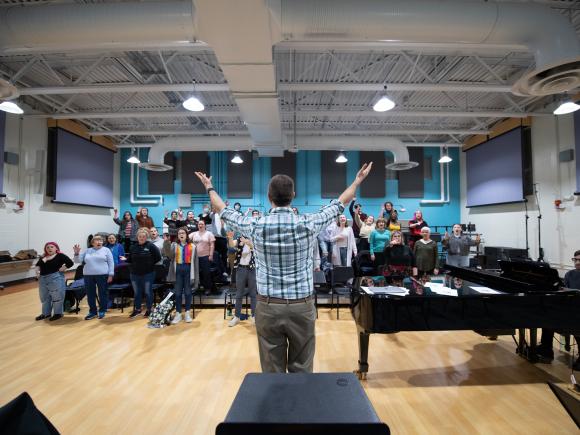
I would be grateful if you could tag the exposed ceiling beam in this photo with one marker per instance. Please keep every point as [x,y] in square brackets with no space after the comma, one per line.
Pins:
[317,113]
[306,87]
[309,132]
[407,144]
[164,114]
[395,87]
[418,114]
[125,88]
[397,46]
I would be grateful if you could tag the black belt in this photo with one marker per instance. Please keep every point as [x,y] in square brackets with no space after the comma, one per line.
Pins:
[272,300]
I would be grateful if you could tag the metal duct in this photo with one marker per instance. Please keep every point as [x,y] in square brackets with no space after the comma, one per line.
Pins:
[54,27]
[548,34]
[196,143]
[242,35]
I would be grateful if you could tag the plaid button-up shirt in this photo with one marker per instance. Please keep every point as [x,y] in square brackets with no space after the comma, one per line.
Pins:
[283,246]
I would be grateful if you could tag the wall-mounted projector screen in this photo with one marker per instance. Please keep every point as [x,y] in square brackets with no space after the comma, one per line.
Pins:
[79,171]
[494,171]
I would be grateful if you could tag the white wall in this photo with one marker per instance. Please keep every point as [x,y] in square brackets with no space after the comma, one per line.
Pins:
[504,225]
[41,220]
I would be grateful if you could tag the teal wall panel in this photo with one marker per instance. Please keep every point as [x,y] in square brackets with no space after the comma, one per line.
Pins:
[308,187]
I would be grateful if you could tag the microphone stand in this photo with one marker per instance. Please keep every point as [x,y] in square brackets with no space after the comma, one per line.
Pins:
[540,249]
[526,220]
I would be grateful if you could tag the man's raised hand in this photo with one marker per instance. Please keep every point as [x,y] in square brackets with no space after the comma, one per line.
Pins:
[363,172]
[205,180]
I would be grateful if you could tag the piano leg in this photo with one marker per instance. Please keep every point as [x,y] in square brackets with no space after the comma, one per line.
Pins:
[363,354]
[527,350]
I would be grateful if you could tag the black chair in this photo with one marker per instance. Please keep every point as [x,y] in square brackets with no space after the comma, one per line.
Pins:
[160,284]
[121,284]
[75,290]
[339,284]
[320,284]
[363,265]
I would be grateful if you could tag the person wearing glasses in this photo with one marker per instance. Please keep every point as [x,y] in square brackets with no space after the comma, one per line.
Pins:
[426,255]
[98,273]
[399,259]
[572,281]
[457,246]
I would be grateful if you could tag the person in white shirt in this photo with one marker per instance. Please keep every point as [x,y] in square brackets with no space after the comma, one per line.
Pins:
[344,244]
[157,241]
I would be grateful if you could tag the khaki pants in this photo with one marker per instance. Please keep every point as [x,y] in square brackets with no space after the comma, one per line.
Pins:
[286,336]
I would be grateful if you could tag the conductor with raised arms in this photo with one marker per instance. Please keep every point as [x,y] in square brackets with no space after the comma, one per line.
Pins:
[283,246]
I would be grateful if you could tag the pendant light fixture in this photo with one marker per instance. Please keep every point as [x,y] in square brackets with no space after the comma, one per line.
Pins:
[445,157]
[237,159]
[384,103]
[341,158]
[10,107]
[133,158]
[193,105]
[566,107]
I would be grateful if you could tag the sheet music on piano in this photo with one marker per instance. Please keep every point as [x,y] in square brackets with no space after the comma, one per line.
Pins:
[440,289]
[485,290]
[389,290]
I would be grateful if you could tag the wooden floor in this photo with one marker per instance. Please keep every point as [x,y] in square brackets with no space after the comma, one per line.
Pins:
[116,376]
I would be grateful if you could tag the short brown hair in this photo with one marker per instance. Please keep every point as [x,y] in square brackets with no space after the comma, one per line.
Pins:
[281,190]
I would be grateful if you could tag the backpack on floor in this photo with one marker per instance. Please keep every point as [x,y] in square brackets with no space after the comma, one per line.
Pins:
[160,317]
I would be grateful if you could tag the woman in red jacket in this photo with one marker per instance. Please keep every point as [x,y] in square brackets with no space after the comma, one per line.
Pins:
[415,226]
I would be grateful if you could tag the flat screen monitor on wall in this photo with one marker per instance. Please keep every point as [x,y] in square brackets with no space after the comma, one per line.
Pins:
[79,171]
[495,170]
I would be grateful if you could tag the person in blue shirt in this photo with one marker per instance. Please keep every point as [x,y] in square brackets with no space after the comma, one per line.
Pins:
[283,245]
[379,237]
[116,249]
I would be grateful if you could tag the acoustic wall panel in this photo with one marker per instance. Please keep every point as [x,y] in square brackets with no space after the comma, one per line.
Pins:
[332,175]
[240,180]
[375,185]
[162,182]
[285,165]
[411,181]
[192,161]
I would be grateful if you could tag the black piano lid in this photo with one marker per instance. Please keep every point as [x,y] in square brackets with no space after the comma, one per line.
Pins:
[515,276]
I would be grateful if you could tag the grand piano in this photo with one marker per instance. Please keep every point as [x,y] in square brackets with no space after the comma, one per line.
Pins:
[524,295]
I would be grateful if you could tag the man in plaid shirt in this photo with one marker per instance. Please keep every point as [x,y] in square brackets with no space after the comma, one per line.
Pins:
[283,246]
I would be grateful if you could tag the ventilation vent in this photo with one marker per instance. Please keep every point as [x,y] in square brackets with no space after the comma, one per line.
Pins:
[158,167]
[401,166]
[550,80]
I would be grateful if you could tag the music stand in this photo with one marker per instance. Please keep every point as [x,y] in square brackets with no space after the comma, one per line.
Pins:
[301,403]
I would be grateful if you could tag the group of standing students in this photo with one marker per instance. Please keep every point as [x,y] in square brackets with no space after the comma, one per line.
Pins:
[419,256]
[186,258]
[188,250]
